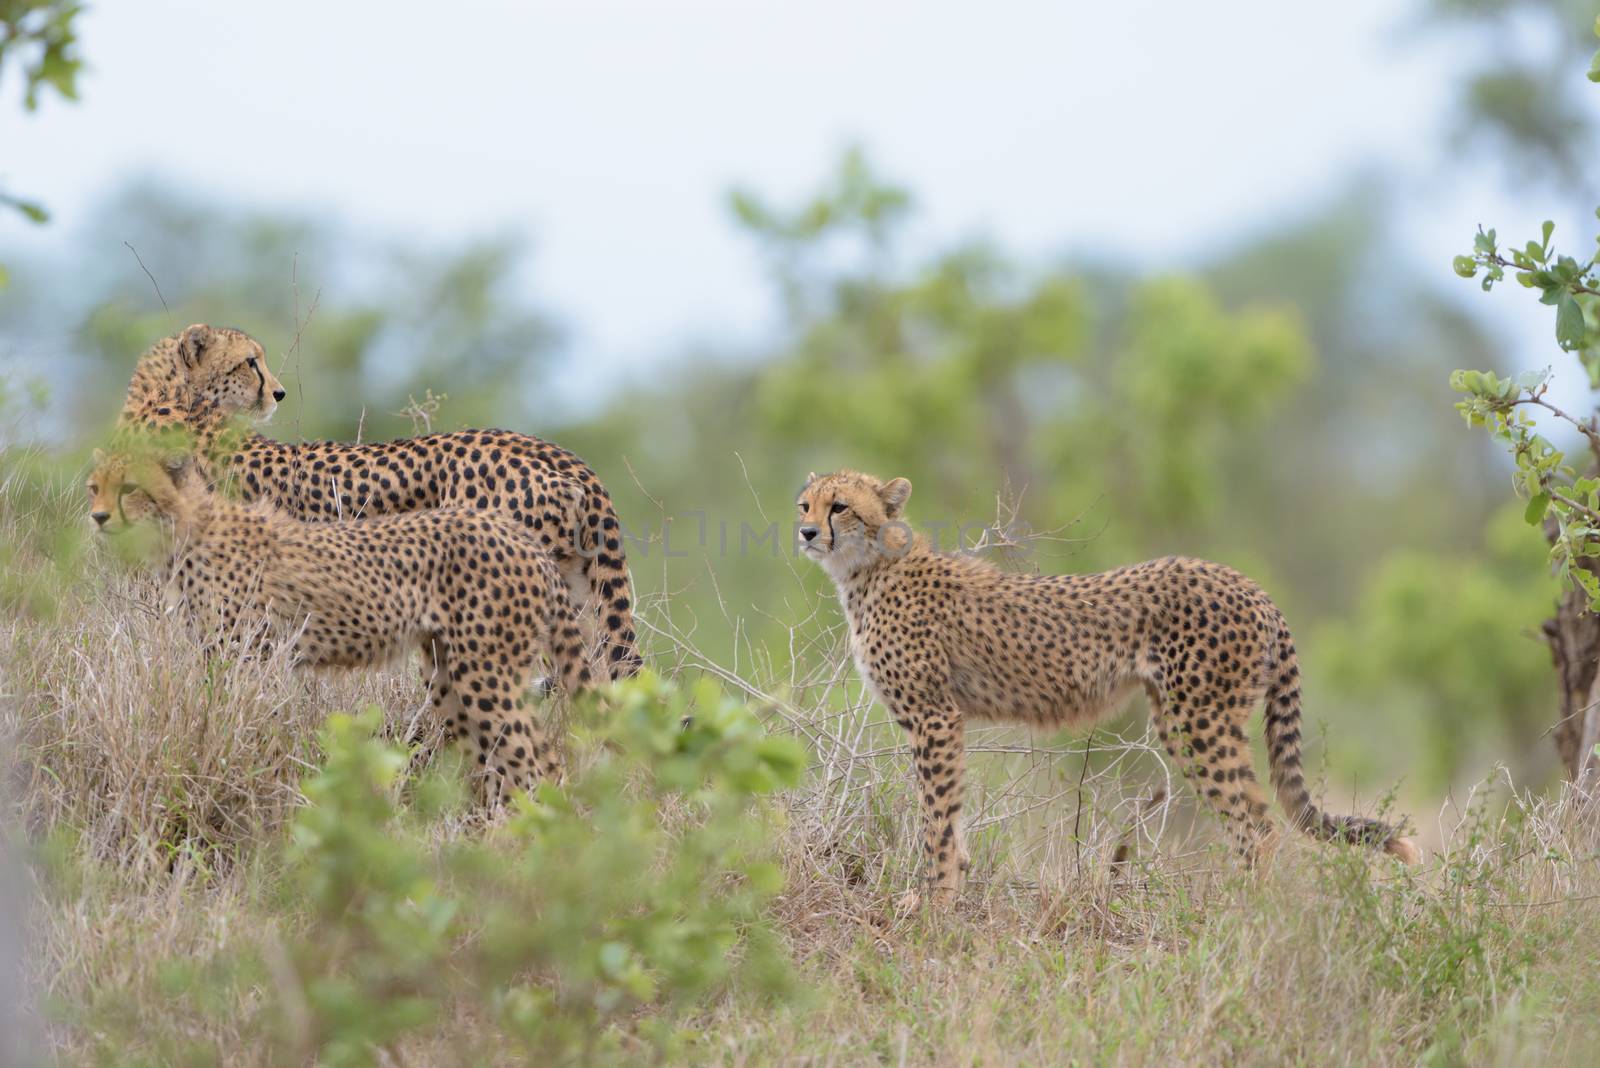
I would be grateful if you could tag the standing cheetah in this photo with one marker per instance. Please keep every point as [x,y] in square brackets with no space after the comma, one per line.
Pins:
[940,637]
[469,588]
[203,378]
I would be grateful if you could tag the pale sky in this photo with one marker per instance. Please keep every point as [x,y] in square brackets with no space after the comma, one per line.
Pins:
[607,132]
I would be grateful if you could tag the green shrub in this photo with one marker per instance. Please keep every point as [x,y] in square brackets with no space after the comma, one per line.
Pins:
[586,926]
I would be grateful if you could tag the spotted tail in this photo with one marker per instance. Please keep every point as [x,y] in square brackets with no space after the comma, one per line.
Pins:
[1288,776]
[605,565]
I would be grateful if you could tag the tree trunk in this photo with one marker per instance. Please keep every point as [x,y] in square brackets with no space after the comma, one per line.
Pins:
[1587,774]
[1574,637]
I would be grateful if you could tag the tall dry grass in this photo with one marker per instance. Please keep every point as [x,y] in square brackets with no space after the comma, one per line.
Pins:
[148,787]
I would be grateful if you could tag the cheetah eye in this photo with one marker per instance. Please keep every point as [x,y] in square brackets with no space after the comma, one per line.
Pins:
[838,506]
[127,487]
[93,488]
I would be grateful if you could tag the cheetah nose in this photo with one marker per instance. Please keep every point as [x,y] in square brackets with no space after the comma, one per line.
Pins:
[100,518]
[279,393]
[808,532]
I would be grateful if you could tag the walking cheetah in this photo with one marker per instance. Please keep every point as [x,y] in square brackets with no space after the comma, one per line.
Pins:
[940,637]
[469,588]
[202,379]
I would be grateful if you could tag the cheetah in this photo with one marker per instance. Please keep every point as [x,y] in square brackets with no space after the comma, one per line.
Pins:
[941,637]
[204,378]
[469,588]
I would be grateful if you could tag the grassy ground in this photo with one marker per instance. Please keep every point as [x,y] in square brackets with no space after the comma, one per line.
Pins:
[149,793]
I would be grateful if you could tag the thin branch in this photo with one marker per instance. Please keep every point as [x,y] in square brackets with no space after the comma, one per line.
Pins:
[153,282]
[1582,509]
[1586,428]
[1576,287]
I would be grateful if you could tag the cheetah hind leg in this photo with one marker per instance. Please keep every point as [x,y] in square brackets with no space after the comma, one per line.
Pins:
[1206,740]
[511,750]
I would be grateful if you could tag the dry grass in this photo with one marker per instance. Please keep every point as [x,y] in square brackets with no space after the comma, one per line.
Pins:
[145,783]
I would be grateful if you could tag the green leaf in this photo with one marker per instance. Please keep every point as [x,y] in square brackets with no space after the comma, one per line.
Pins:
[1536,509]
[1569,322]
[1548,229]
[1594,68]
[1590,584]
[34,211]
[1532,380]
[1464,266]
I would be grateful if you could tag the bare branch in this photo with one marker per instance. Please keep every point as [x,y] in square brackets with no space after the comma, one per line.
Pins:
[153,282]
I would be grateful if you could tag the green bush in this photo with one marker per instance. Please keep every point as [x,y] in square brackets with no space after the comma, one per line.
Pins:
[585,927]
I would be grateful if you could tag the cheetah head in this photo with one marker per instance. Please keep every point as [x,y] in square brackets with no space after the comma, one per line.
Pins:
[849,520]
[127,489]
[227,371]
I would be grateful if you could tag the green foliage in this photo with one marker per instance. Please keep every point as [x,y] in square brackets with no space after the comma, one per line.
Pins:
[42,510]
[1560,494]
[341,316]
[1594,63]
[1522,100]
[585,927]
[1194,374]
[38,35]
[970,364]
[1452,637]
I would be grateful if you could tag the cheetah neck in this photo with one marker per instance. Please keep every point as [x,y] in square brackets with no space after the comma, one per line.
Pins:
[192,513]
[202,520]
[855,572]
[217,435]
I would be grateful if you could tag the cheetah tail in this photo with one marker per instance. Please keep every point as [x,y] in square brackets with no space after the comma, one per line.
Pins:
[606,567]
[1288,778]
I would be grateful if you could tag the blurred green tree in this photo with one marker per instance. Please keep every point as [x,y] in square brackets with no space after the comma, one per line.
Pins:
[39,37]
[1228,412]
[970,370]
[1515,96]
[1233,413]
[1562,495]
[356,328]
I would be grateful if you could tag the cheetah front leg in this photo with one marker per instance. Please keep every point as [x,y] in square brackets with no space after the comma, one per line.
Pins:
[939,753]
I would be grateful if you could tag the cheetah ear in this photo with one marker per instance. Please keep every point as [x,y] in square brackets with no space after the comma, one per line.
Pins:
[894,494]
[192,344]
[99,457]
[810,478]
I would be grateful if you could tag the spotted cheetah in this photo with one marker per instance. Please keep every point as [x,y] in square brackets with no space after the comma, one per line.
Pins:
[941,637]
[470,588]
[204,377]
